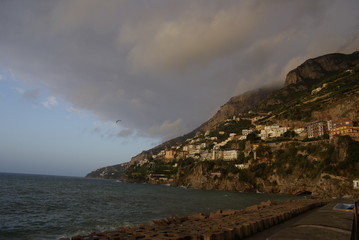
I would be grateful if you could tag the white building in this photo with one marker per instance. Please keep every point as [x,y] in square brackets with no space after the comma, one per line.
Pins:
[194,151]
[242,166]
[299,130]
[224,155]
[230,154]
[142,162]
[216,154]
[206,155]
[242,137]
[245,132]
[272,131]
[188,148]
[162,153]
[356,184]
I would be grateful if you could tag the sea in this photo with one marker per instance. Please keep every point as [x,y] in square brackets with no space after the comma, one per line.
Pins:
[38,207]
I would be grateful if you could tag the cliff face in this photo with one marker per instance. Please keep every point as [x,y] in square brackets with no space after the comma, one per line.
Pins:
[237,105]
[211,179]
[344,108]
[316,68]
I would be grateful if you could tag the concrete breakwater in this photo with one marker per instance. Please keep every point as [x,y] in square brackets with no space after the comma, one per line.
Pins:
[220,225]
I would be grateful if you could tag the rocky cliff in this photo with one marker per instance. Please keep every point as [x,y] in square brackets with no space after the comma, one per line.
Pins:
[237,105]
[316,68]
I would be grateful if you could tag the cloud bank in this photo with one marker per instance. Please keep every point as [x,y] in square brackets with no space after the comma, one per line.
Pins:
[50,102]
[164,67]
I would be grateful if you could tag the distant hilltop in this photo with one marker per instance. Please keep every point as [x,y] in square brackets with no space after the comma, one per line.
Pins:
[316,68]
[296,139]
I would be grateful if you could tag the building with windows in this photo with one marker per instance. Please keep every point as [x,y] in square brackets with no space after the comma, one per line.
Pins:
[356,183]
[230,154]
[272,131]
[317,129]
[351,131]
[226,155]
[340,123]
[170,154]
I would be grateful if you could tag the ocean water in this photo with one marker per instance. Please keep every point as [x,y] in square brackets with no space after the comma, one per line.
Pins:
[49,207]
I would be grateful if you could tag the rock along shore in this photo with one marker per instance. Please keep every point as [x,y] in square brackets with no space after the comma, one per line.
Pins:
[220,225]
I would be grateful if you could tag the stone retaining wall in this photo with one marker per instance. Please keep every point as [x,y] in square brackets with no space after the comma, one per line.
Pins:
[220,225]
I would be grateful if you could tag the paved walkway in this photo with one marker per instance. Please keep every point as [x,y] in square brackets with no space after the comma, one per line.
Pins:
[322,223]
[279,227]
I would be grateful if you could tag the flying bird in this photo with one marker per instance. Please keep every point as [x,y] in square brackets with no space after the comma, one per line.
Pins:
[118,121]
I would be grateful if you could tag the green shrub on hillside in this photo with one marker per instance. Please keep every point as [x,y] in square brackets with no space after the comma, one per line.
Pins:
[207,165]
[241,158]
[137,173]
[253,137]
[260,170]
[296,113]
[290,134]
[264,151]
[245,177]
[350,165]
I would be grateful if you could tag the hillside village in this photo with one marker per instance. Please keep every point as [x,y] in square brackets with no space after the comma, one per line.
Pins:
[222,144]
[237,141]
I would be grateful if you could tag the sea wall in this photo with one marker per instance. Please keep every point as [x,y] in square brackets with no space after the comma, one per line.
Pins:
[226,225]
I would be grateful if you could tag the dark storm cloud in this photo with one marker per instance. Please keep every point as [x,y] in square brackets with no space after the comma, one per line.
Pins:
[161,66]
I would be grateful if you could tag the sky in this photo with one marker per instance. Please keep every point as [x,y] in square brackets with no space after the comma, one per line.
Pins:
[69,69]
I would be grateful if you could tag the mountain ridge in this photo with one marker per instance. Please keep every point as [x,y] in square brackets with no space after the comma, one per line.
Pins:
[325,87]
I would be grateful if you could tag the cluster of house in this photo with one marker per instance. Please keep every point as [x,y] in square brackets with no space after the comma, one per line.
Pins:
[205,147]
[344,126]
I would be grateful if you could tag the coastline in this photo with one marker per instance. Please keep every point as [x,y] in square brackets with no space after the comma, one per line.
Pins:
[228,224]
